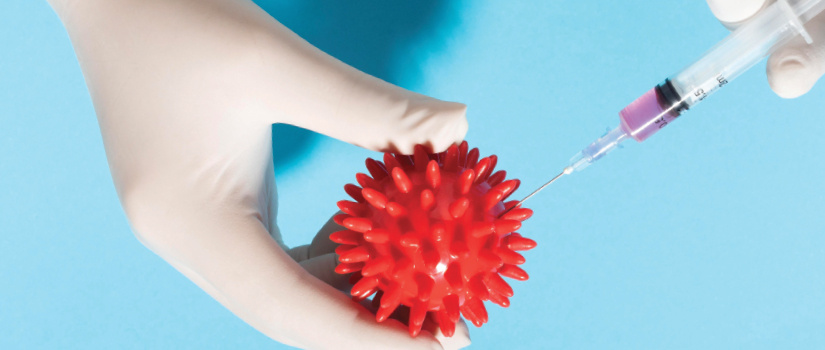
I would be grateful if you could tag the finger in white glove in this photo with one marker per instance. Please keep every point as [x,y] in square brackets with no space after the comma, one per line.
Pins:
[794,68]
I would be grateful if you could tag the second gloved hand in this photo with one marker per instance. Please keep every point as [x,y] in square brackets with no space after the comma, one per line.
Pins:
[793,69]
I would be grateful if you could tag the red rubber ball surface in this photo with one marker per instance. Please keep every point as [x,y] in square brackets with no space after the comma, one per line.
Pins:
[426,231]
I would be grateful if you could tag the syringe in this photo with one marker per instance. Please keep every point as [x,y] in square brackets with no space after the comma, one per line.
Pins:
[740,50]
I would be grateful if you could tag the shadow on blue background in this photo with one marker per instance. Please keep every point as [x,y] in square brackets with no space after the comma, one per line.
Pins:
[376,37]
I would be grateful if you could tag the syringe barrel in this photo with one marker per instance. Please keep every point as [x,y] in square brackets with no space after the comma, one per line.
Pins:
[742,49]
[652,111]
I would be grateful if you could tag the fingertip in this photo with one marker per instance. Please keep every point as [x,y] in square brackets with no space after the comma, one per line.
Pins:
[732,13]
[461,128]
[459,340]
[460,108]
[406,148]
[455,134]
[791,73]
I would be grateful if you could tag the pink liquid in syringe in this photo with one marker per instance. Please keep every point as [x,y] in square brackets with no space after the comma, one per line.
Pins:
[648,114]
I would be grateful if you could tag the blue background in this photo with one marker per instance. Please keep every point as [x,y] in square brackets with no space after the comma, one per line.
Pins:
[711,234]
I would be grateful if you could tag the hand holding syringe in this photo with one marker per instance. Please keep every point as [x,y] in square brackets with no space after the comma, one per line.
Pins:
[769,30]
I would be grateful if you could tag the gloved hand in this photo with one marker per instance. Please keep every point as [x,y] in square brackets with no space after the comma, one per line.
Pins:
[185,93]
[792,70]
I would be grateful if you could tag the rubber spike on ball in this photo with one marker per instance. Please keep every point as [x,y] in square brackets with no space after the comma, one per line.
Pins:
[421,158]
[497,177]
[462,152]
[376,169]
[472,158]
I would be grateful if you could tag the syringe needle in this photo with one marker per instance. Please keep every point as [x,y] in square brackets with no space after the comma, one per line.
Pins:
[567,170]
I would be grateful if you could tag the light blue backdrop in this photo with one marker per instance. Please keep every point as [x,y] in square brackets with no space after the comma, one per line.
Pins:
[709,235]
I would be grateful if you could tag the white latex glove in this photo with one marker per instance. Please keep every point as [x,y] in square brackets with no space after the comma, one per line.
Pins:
[793,69]
[185,93]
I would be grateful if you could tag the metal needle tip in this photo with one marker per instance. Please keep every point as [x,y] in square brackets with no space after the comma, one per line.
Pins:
[566,171]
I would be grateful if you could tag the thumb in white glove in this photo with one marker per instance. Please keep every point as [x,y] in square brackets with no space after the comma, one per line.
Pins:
[793,69]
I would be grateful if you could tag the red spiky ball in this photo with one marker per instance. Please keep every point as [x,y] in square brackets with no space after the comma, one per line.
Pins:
[424,231]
